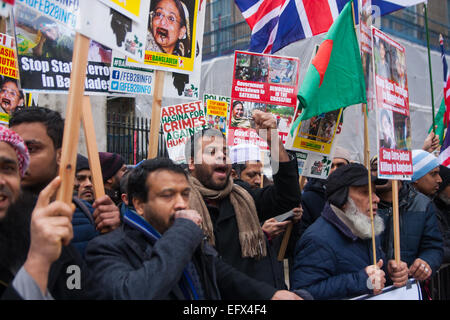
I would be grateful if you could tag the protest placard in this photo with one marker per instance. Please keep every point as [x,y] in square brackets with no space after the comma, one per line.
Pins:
[115,29]
[45,48]
[11,96]
[217,110]
[6,7]
[182,85]
[313,142]
[392,108]
[172,35]
[262,82]
[179,123]
[127,79]
[131,9]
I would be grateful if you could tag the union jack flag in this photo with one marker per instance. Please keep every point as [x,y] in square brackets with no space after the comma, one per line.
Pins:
[277,23]
[446,83]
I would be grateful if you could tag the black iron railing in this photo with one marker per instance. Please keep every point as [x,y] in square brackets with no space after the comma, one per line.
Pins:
[128,136]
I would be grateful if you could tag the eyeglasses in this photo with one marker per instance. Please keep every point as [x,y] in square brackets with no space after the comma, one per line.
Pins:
[159,15]
[10,92]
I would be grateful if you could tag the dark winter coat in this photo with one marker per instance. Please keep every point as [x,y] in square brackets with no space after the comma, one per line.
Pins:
[330,260]
[83,225]
[419,231]
[128,265]
[443,216]
[270,201]
[313,202]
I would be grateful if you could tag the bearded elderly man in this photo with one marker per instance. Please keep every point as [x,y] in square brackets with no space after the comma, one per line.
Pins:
[232,213]
[333,259]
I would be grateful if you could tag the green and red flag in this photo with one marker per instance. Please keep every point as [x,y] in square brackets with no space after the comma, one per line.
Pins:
[335,77]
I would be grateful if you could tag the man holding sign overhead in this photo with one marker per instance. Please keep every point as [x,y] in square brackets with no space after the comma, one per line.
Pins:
[231,213]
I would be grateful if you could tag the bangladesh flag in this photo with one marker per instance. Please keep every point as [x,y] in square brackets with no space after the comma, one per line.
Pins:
[439,122]
[335,77]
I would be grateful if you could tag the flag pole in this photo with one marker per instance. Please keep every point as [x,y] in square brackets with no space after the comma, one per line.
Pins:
[367,162]
[395,221]
[429,64]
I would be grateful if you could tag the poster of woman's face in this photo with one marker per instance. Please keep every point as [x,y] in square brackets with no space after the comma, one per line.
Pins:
[170,25]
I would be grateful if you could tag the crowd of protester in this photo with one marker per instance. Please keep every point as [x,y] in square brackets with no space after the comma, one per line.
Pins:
[210,229]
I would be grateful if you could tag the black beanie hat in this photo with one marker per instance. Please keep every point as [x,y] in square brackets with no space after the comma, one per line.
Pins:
[338,182]
[82,163]
[110,163]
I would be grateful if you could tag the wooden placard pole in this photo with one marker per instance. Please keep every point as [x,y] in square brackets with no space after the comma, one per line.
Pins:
[156,114]
[261,184]
[287,233]
[395,221]
[285,241]
[367,164]
[73,116]
[92,149]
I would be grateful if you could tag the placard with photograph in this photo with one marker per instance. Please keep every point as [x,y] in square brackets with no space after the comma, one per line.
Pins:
[262,82]
[392,108]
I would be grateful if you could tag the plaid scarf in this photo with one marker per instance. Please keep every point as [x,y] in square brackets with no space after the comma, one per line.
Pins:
[251,236]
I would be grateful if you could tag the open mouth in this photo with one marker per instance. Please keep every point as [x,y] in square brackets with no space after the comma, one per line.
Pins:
[6,102]
[221,170]
[4,200]
[163,33]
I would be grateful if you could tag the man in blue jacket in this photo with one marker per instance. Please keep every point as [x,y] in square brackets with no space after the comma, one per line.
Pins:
[42,130]
[420,238]
[160,252]
[333,259]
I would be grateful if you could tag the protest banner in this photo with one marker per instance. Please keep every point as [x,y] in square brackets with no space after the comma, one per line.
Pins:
[6,7]
[171,48]
[45,48]
[262,82]
[11,96]
[410,291]
[392,108]
[181,85]
[179,123]
[217,110]
[115,29]
[4,119]
[131,9]
[313,142]
[128,79]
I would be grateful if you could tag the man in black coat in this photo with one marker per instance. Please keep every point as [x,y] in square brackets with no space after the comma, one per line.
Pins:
[160,251]
[314,197]
[232,214]
[442,202]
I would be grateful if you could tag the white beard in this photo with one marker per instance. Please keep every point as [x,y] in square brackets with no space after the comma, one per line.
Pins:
[360,224]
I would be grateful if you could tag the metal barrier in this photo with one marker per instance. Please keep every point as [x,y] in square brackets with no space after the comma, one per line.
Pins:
[129,136]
